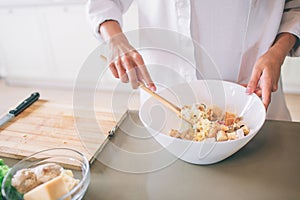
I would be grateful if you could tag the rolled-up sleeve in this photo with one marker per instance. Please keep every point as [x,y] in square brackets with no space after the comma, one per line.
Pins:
[290,23]
[98,11]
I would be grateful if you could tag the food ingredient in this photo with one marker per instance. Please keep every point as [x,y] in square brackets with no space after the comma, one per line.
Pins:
[48,182]
[210,123]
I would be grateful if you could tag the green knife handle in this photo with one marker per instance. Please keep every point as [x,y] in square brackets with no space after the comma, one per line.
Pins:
[25,104]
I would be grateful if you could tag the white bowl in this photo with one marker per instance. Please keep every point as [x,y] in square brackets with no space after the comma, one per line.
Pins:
[68,158]
[159,120]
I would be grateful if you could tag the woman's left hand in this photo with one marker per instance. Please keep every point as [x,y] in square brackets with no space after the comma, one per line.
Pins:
[266,70]
[265,76]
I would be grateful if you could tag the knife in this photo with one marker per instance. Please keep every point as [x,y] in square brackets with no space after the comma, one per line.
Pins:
[20,108]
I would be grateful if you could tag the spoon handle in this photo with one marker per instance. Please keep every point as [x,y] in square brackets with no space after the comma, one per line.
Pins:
[164,101]
[167,103]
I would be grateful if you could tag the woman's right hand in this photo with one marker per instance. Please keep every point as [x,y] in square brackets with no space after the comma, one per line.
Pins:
[125,62]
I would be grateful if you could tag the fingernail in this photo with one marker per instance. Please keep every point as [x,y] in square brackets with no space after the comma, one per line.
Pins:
[124,79]
[153,89]
[248,90]
[134,85]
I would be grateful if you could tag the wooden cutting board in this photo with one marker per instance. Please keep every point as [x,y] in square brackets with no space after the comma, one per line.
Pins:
[47,125]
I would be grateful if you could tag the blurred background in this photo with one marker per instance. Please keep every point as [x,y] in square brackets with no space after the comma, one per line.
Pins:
[43,43]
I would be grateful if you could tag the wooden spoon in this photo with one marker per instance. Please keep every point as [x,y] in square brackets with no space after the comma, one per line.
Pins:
[164,101]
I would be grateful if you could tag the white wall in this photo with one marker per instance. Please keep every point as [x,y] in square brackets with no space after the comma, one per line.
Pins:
[22,3]
[46,43]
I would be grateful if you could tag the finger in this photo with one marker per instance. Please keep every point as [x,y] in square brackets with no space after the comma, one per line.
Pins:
[121,71]
[274,87]
[140,78]
[258,92]
[130,69]
[133,78]
[143,71]
[266,94]
[255,76]
[139,75]
[113,70]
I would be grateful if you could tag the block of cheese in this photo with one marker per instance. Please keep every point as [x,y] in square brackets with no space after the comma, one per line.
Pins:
[51,190]
[70,181]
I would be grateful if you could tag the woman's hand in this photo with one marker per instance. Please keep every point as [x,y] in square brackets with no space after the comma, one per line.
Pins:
[124,61]
[266,71]
[265,76]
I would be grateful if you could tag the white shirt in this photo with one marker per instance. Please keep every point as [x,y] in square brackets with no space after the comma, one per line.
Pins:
[228,36]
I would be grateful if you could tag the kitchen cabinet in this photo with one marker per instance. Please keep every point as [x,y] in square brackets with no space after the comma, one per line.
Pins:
[22,3]
[21,43]
[44,44]
[290,75]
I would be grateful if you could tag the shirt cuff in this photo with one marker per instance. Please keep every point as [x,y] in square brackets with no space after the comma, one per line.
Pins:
[97,17]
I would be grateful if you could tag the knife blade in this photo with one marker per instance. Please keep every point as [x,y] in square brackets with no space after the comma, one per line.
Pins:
[20,108]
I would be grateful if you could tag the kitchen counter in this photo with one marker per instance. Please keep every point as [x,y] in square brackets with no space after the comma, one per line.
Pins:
[133,165]
[266,168]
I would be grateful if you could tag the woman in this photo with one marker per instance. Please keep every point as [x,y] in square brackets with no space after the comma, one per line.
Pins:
[247,40]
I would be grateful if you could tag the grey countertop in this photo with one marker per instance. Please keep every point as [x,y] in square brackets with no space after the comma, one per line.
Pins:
[131,167]
[134,166]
